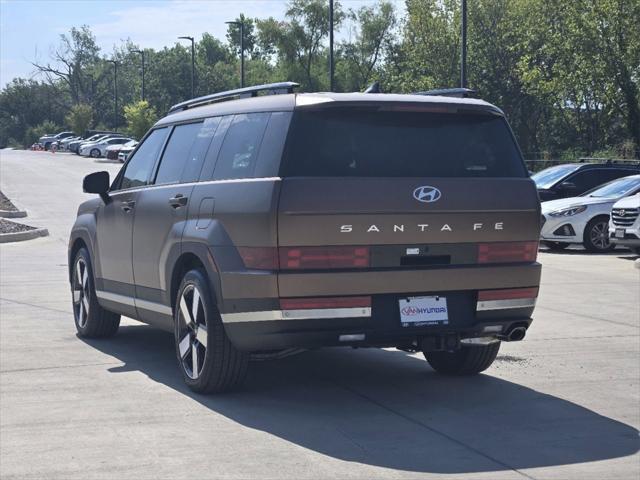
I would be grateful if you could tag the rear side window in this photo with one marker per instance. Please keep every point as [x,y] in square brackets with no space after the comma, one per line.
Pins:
[176,154]
[138,170]
[239,151]
[364,142]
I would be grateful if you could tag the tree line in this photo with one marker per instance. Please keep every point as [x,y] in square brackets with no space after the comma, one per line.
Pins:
[567,74]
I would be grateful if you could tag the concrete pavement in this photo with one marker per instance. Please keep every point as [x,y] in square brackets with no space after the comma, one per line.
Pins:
[565,403]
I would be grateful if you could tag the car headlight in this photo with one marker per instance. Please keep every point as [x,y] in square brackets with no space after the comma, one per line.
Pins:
[568,212]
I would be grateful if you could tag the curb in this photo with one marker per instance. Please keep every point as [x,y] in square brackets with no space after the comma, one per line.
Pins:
[13,213]
[22,236]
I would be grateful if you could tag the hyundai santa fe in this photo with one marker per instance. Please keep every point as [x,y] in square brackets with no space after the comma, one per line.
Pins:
[249,223]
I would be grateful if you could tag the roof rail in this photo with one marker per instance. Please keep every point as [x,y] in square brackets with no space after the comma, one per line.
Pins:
[247,92]
[450,92]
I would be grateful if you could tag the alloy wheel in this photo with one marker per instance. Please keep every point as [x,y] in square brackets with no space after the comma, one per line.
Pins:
[81,293]
[599,235]
[192,346]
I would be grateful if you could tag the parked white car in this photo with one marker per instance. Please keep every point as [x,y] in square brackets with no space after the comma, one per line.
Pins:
[98,149]
[624,225]
[585,219]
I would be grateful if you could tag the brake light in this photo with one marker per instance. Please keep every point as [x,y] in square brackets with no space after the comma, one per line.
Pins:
[260,258]
[505,252]
[507,294]
[323,257]
[324,302]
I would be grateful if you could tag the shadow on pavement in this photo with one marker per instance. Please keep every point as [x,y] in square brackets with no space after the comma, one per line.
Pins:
[389,409]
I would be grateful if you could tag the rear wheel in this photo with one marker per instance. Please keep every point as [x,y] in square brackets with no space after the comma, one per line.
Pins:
[468,360]
[208,360]
[556,246]
[92,321]
[596,235]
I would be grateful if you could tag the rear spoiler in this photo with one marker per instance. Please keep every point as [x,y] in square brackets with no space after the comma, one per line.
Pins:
[443,92]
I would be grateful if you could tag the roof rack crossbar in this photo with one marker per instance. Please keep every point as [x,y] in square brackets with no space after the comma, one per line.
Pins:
[269,88]
[450,92]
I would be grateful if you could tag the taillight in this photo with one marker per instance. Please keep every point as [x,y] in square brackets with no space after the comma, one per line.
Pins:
[309,258]
[507,294]
[260,258]
[324,302]
[505,252]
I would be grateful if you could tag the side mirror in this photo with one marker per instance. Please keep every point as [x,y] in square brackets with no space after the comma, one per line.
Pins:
[97,182]
[567,186]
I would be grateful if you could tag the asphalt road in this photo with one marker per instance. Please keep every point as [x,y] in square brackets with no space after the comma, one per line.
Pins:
[563,404]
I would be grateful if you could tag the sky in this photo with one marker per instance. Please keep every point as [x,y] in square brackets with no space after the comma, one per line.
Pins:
[29,29]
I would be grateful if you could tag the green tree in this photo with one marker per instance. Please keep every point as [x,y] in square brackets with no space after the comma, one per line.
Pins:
[140,118]
[362,55]
[34,133]
[80,118]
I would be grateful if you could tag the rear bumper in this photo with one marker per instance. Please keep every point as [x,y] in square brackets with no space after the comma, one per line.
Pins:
[259,324]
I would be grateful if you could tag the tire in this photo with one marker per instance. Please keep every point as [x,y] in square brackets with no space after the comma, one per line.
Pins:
[468,360]
[636,250]
[95,153]
[556,246]
[92,321]
[219,366]
[47,146]
[596,235]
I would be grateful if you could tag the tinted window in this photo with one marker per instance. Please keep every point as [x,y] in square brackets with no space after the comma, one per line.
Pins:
[139,168]
[587,179]
[372,143]
[201,144]
[177,152]
[239,151]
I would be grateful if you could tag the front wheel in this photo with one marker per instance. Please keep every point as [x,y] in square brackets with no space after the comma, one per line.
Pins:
[468,360]
[208,360]
[95,153]
[92,321]
[596,235]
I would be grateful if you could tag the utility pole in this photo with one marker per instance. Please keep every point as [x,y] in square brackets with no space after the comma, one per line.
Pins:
[331,67]
[115,94]
[141,52]
[463,52]
[240,24]
[193,64]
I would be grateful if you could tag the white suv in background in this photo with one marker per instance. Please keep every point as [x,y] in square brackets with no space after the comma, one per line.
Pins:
[624,226]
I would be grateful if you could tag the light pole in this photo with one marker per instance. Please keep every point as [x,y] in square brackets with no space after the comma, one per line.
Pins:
[241,25]
[193,64]
[463,52]
[115,94]
[331,68]
[141,52]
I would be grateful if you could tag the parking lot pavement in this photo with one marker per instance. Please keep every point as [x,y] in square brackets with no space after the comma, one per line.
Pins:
[563,404]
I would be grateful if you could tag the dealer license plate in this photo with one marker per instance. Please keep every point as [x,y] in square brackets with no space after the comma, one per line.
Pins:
[420,311]
[620,232]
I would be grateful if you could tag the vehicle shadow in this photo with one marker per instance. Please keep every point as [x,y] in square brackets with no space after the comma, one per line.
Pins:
[388,409]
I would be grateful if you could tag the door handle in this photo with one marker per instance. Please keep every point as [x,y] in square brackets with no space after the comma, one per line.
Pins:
[128,206]
[178,201]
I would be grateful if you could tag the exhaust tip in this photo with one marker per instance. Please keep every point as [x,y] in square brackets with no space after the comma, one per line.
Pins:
[517,334]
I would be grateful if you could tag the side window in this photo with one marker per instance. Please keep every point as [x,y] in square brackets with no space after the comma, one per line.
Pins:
[586,180]
[239,152]
[272,146]
[201,144]
[138,169]
[177,152]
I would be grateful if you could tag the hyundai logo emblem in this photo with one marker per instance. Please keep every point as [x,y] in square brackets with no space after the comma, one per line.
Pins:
[427,194]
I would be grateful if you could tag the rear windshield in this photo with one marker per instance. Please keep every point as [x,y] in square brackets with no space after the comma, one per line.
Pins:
[345,142]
